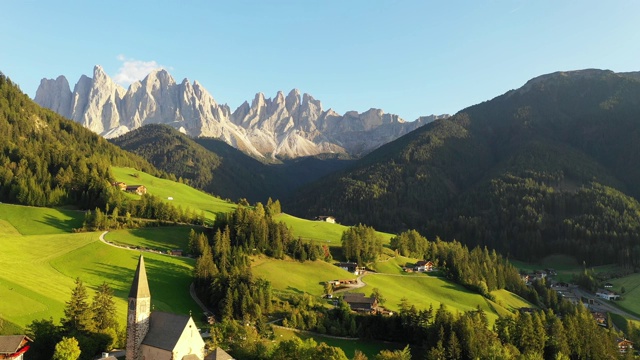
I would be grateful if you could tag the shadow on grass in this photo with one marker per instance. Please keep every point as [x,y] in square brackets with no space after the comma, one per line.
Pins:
[75,221]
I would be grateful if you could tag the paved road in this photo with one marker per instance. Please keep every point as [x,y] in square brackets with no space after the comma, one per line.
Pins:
[604,304]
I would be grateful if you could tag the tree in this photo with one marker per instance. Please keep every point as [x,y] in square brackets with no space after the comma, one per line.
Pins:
[404,354]
[359,355]
[103,309]
[378,296]
[67,349]
[328,288]
[77,314]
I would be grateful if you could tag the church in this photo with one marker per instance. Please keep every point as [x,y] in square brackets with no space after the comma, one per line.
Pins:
[158,335]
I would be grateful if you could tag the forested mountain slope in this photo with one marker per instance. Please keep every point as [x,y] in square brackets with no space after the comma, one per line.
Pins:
[47,160]
[216,167]
[550,167]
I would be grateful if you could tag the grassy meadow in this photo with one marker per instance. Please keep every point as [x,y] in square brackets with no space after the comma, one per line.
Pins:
[158,238]
[39,269]
[296,277]
[182,195]
[631,297]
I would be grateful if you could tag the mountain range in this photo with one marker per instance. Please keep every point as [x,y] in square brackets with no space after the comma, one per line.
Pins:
[282,127]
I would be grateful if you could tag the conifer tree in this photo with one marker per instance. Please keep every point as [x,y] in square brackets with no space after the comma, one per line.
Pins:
[103,309]
[77,314]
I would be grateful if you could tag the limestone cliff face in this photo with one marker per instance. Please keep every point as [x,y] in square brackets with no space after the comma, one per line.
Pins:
[283,127]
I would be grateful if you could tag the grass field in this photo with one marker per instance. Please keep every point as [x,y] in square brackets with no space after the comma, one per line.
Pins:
[320,231]
[369,348]
[39,269]
[158,238]
[296,277]
[27,220]
[631,296]
[182,195]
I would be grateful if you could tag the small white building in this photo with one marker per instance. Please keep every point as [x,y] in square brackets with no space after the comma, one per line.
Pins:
[607,295]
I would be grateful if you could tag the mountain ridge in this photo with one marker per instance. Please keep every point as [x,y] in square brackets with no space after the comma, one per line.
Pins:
[281,127]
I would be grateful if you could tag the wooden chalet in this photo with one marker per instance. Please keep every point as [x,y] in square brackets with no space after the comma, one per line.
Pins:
[136,189]
[423,266]
[351,267]
[329,219]
[624,345]
[14,346]
[360,303]
[120,185]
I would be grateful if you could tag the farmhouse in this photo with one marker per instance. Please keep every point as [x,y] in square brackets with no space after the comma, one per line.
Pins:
[136,189]
[607,295]
[329,219]
[624,345]
[423,266]
[158,335]
[14,346]
[351,267]
[120,185]
[359,302]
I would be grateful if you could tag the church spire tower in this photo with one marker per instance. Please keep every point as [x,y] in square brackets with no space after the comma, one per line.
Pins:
[139,310]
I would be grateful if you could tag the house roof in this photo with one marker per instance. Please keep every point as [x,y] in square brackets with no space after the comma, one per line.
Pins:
[219,354]
[140,285]
[165,330]
[11,344]
[423,263]
[358,298]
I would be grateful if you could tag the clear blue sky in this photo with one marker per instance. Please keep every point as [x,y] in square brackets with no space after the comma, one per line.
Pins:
[407,57]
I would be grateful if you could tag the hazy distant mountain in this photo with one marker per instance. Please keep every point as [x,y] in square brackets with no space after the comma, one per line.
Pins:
[551,167]
[283,127]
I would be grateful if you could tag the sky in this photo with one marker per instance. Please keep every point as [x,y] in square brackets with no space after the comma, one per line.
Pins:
[410,58]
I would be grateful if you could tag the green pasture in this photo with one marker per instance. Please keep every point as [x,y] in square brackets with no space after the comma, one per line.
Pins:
[631,297]
[297,277]
[39,269]
[393,265]
[29,220]
[368,347]
[320,231]
[158,238]
[424,291]
[183,195]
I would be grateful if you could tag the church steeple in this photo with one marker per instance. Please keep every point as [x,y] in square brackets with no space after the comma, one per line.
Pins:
[138,311]
[140,285]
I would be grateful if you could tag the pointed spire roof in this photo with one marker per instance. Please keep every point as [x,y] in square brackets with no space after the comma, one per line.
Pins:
[140,285]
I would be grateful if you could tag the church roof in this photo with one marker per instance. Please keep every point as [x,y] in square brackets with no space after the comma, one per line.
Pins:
[140,285]
[165,330]
[219,354]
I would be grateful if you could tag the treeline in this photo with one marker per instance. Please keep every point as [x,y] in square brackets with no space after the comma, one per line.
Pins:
[223,274]
[479,269]
[361,244]
[133,214]
[92,324]
[46,160]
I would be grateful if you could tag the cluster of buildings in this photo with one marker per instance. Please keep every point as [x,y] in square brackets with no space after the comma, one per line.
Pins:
[134,189]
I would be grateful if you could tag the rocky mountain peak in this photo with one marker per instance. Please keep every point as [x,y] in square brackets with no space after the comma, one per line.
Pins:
[285,126]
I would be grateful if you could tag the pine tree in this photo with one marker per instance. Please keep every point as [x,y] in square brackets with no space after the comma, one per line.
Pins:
[77,314]
[103,309]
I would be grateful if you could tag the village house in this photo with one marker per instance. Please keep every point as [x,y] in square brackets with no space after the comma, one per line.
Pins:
[607,295]
[329,219]
[120,185]
[14,346]
[624,345]
[219,354]
[136,189]
[360,303]
[351,267]
[423,266]
[155,334]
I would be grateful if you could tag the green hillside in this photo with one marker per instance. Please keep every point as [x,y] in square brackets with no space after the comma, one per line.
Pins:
[536,171]
[182,195]
[39,268]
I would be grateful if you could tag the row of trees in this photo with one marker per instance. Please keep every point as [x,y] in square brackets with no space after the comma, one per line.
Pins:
[91,326]
[361,244]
